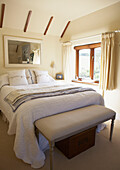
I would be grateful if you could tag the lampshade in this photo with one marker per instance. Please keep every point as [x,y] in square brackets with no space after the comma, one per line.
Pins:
[52,65]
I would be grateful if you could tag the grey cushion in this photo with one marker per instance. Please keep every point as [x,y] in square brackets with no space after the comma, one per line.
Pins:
[59,125]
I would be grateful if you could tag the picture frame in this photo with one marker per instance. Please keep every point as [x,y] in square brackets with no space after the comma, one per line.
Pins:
[59,76]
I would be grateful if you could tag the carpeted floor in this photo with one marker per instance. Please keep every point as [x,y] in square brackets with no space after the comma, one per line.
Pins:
[104,155]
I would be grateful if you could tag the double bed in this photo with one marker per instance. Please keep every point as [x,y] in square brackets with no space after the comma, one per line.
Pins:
[25,103]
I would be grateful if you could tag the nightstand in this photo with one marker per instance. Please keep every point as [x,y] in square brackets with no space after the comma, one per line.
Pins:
[60,81]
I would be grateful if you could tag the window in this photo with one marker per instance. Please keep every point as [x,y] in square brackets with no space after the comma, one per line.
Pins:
[88,58]
[84,63]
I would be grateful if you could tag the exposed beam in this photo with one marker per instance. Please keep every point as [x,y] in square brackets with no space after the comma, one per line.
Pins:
[27,21]
[2,14]
[48,25]
[65,29]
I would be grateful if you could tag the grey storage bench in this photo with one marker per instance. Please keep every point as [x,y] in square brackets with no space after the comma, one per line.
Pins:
[60,126]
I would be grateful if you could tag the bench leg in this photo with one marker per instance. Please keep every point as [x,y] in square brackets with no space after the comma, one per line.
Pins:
[111,130]
[51,152]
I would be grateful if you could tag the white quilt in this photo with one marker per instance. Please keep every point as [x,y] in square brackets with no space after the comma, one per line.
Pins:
[22,123]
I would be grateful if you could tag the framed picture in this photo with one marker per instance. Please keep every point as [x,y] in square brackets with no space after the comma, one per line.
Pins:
[59,76]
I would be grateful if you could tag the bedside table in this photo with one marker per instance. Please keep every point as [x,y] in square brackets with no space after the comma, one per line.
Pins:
[60,81]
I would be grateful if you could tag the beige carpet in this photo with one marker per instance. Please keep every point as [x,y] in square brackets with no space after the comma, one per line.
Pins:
[104,155]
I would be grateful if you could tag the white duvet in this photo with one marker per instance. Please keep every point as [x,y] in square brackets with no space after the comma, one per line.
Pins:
[26,146]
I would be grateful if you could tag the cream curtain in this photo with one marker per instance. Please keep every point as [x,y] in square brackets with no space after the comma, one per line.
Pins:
[107,81]
[68,61]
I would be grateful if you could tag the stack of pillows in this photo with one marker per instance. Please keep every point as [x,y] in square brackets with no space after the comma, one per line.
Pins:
[25,77]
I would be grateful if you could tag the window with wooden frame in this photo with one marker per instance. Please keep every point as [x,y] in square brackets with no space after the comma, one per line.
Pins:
[88,58]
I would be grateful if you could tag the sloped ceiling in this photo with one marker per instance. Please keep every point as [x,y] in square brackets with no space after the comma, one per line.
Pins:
[62,10]
[103,20]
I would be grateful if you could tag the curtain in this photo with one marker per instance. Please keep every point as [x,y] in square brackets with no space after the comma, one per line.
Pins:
[107,81]
[68,61]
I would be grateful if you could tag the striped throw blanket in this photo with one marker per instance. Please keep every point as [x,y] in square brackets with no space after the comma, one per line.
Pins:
[20,96]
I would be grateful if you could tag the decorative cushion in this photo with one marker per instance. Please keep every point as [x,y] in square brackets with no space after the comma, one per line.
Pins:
[4,80]
[33,76]
[29,76]
[43,77]
[17,77]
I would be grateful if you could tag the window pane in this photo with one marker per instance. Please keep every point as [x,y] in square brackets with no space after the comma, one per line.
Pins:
[97,60]
[84,63]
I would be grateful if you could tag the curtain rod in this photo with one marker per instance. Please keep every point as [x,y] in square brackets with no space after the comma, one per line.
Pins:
[95,35]
[90,36]
[66,42]
[111,32]
[85,37]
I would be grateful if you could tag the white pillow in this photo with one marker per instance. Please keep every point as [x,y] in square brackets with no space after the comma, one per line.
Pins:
[17,77]
[43,77]
[39,72]
[4,80]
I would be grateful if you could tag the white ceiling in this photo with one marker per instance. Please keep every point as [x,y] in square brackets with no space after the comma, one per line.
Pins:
[63,10]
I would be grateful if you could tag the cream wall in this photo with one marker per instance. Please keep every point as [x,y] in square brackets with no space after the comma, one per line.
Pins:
[87,29]
[51,50]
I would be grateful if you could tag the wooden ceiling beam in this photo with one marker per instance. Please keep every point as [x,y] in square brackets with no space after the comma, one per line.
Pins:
[2,14]
[48,25]
[27,20]
[65,29]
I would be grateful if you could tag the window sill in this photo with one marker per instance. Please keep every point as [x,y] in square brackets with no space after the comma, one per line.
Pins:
[86,82]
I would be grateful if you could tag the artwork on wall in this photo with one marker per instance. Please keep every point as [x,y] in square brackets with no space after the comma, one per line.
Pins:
[22,52]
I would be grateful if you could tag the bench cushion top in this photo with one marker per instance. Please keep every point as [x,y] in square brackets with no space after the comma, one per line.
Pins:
[63,124]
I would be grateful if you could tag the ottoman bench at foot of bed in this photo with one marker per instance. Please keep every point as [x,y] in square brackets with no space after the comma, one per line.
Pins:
[61,126]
